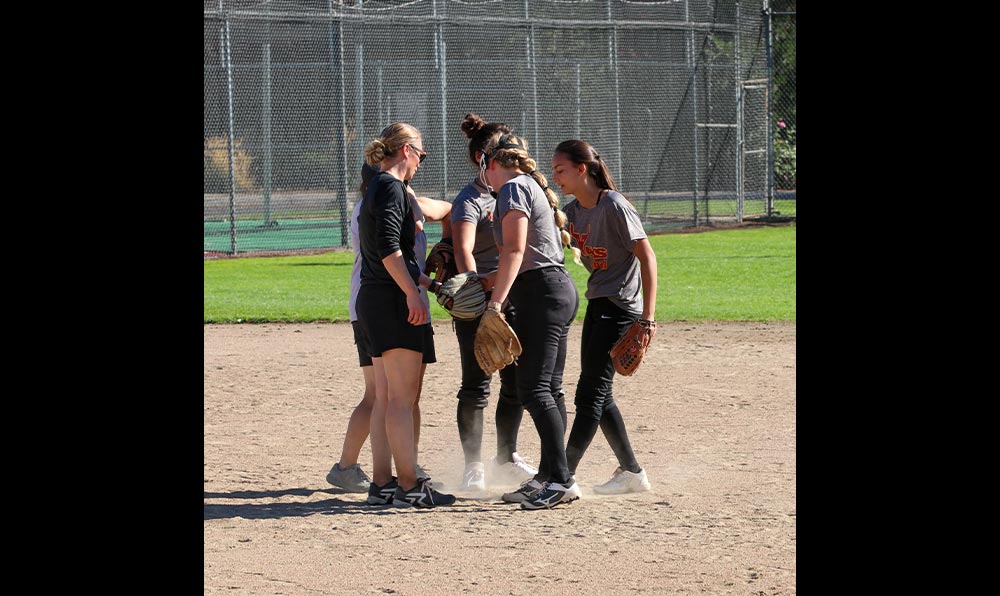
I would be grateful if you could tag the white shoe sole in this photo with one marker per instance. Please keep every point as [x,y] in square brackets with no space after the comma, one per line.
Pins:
[529,507]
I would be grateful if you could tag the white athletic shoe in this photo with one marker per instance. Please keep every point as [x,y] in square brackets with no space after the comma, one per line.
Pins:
[512,472]
[475,477]
[623,482]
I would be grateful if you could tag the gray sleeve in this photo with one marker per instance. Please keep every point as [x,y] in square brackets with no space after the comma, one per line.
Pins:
[463,209]
[629,225]
[515,198]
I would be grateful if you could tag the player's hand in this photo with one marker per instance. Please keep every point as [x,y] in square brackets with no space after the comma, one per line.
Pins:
[419,314]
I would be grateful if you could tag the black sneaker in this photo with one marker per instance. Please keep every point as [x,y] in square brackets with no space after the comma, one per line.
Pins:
[382,495]
[421,495]
[554,494]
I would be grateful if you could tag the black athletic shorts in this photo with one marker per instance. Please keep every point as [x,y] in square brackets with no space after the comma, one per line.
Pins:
[361,341]
[382,316]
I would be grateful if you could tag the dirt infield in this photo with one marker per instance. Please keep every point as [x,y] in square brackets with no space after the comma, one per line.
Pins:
[711,415]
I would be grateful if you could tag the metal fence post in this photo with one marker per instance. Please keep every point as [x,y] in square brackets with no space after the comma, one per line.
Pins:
[226,49]
[693,65]
[440,48]
[534,77]
[709,70]
[379,116]
[340,192]
[359,96]
[739,119]
[267,134]
[613,58]
[577,100]
[649,165]
[769,41]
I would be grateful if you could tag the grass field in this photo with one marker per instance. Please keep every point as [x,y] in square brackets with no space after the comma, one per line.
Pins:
[725,275]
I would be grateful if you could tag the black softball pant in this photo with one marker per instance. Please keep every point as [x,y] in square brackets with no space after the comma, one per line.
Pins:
[474,394]
[546,302]
[603,324]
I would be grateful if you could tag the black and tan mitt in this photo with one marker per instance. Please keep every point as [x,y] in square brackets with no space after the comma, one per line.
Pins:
[462,296]
[441,261]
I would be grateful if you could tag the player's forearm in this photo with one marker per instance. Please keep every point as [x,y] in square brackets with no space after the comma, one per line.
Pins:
[400,274]
[647,271]
[515,240]
[463,241]
[510,264]
[434,209]
[649,292]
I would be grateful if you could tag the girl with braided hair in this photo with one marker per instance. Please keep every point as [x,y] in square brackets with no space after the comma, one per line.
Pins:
[476,250]
[531,275]
[621,288]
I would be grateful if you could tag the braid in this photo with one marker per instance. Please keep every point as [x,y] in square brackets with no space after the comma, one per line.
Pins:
[527,164]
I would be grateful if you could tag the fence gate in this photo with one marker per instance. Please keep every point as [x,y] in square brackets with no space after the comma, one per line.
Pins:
[752,199]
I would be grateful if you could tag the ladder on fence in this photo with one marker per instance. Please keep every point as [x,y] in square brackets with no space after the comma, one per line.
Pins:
[750,111]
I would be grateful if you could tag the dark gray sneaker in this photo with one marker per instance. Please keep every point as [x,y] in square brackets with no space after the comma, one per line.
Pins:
[421,495]
[529,490]
[554,494]
[382,495]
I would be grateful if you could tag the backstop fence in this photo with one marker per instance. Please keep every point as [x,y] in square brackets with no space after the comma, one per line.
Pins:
[674,94]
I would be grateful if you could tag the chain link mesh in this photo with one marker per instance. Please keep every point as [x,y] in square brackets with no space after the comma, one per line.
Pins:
[294,90]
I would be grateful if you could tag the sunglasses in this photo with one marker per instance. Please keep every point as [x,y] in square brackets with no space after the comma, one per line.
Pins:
[422,155]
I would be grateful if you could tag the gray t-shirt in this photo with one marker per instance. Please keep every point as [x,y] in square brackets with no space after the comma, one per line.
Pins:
[606,235]
[544,248]
[476,206]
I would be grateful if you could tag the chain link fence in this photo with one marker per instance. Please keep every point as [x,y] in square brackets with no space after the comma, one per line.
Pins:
[673,94]
[782,26]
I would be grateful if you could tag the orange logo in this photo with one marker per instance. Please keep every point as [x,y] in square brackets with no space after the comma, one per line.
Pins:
[597,254]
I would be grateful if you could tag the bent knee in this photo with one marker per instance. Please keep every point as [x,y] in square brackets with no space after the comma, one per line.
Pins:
[477,399]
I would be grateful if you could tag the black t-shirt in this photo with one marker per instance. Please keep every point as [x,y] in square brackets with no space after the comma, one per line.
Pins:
[386,225]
